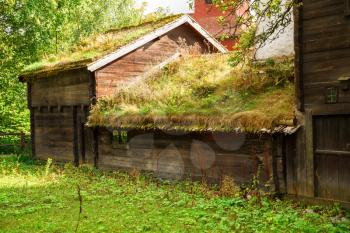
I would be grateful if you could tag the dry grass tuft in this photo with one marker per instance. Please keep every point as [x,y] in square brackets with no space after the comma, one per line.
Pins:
[199,93]
[228,187]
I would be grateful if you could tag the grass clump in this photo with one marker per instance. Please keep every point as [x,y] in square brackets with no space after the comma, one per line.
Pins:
[95,47]
[119,202]
[203,93]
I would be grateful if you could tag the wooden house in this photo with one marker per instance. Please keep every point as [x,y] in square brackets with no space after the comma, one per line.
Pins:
[320,166]
[62,88]
[195,119]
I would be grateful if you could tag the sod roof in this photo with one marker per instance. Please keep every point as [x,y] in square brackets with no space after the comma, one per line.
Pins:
[95,47]
[203,93]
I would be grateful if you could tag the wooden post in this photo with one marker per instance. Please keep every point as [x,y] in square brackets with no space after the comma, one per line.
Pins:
[274,152]
[309,156]
[32,118]
[75,137]
[95,147]
[92,88]
[82,141]
[299,61]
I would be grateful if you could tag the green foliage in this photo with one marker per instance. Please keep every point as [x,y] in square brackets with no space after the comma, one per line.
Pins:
[203,93]
[33,199]
[32,29]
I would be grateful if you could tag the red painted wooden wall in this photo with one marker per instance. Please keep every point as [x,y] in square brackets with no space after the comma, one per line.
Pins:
[206,15]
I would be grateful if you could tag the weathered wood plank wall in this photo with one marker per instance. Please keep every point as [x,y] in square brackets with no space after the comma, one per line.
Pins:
[59,104]
[53,134]
[195,155]
[322,32]
[68,88]
[326,49]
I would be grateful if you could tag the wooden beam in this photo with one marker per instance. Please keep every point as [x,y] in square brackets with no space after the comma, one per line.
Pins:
[92,88]
[298,61]
[309,156]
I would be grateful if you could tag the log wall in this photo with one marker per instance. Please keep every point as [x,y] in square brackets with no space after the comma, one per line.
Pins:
[64,89]
[196,156]
[54,135]
[59,105]
[325,49]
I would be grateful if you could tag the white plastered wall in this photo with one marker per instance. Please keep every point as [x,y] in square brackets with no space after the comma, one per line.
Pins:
[281,46]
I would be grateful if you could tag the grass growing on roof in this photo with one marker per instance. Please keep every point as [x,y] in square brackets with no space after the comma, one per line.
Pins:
[95,47]
[203,93]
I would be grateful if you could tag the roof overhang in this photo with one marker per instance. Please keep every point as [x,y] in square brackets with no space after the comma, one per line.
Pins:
[186,19]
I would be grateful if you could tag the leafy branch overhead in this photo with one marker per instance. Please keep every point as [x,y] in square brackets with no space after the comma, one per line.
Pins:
[256,22]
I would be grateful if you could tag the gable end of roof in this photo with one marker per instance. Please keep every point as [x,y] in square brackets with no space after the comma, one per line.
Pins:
[153,35]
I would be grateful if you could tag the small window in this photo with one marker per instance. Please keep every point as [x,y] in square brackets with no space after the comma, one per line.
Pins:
[331,95]
[208,1]
[120,137]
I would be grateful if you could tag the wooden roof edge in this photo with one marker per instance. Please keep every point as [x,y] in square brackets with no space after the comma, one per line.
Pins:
[285,130]
[25,77]
[153,35]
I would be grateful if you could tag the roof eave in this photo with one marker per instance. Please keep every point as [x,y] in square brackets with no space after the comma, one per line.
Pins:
[25,77]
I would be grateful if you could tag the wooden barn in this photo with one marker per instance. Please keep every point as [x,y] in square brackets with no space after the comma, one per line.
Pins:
[197,118]
[62,88]
[320,165]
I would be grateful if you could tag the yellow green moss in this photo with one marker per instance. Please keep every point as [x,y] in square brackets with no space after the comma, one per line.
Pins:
[203,93]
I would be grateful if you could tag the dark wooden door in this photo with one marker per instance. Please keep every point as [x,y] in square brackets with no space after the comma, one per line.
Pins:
[332,157]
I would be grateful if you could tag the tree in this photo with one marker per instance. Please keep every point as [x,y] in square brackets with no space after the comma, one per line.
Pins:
[31,29]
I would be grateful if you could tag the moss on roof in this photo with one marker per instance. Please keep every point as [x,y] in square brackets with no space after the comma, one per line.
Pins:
[95,47]
[203,93]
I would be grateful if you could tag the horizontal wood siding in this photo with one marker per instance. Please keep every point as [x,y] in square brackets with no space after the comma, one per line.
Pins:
[64,89]
[193,155]
[54,135]
[138,62]
[326,49]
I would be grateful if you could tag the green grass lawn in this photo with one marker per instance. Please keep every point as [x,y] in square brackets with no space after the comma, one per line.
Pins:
[42,198]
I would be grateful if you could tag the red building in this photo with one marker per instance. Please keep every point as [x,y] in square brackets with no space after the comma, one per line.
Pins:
[206,14]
